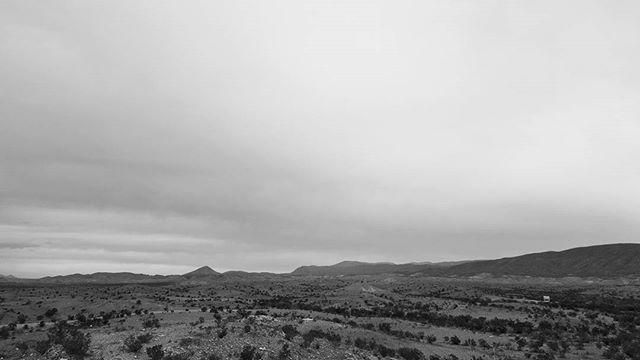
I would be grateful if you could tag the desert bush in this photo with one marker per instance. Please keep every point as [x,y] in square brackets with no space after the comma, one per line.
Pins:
[410,353]
[385,351]
[290,331]
[469,342]
[285,352]
[145,338]
[22,346]
[454,340]
[248,352]
[211,357]
[155,352]
[22,318]
[150,322]
[51,312]
[222,333]
[4,333]
[186,342]
[319,334]
[178,356]
[132,344]
[74,342]
[42,346]
[384,327]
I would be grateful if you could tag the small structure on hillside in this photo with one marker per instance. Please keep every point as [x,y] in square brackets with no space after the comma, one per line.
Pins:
[546,298]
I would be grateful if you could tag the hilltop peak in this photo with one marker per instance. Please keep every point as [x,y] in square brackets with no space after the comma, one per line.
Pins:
[201,272]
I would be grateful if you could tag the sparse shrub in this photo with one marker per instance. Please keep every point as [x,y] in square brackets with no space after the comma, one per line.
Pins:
[222,333]
[42,346]
[4,333]
[315,334]
[410,353]
[431,339]
[155,352]
[454,340]
[22,346]
[178,356]
[22,318]
[484,344]
[150,322]
[384,327]
[51,312]
[132,344]
[74,342]
[385,351]
[285,352]
[186,342]
[290,331]
[360,343]
[248,352]
[211,357]
[145,338]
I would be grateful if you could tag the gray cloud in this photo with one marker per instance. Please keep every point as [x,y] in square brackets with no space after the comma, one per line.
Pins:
[266,136]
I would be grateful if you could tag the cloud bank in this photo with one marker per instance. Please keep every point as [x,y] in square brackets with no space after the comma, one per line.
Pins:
[158,137]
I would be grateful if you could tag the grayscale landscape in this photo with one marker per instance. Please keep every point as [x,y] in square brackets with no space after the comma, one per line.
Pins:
[319,179]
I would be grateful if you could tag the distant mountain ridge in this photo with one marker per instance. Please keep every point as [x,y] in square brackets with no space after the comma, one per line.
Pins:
[107,278]
[363,268]
[602,261]
[599,261]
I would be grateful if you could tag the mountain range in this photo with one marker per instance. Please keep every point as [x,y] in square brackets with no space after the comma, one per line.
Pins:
[599,261]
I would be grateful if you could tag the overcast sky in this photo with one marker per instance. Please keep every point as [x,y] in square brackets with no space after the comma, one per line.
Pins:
[157,136]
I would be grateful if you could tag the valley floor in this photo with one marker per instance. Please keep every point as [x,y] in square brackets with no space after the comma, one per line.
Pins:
[360,317]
